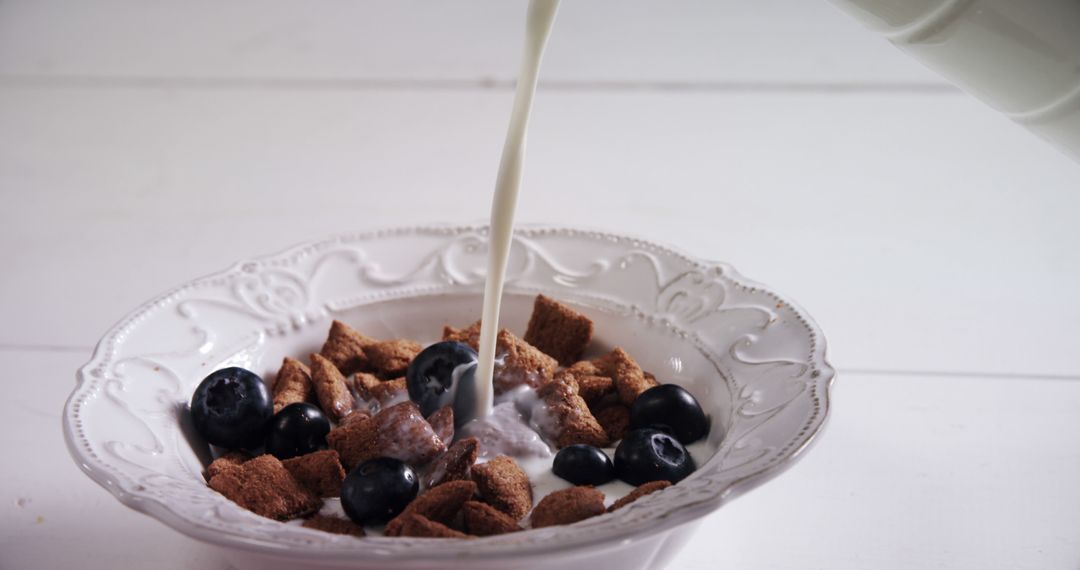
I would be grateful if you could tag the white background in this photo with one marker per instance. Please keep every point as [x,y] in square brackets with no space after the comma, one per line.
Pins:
[145,142]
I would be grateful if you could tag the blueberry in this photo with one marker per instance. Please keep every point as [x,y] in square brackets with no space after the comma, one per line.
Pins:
[650,455]
[378,490]
[297,429]
[661,428]
[671,406]
[434,376]
[231,408]
[583,464]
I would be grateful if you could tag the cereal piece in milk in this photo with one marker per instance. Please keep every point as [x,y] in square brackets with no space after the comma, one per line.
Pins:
[390,358]
[442,421]
[639,492]
[630,380]
[264,487]
[230,460]
[332,390]
[615,419]
[356,417]
[517,362]
[319,471]
[334,525]
[469,335]
[362,383]
[595,385]
[390,392]
[292,384]
[558,330]
[345,346]
[422,527]
[440,504]
[592,389]
[482,519]
[563,417]
[568,506]
[454,465]
[504,485]
[399,431]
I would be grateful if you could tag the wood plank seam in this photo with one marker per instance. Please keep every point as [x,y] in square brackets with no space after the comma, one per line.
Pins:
[479,84]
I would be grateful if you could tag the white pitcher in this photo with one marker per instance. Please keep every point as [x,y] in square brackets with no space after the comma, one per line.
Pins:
[1022,57]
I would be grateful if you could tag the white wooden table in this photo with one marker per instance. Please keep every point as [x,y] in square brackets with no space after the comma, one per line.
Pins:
[145,142]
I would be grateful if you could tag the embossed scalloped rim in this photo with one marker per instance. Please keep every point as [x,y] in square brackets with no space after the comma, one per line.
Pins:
[428,549]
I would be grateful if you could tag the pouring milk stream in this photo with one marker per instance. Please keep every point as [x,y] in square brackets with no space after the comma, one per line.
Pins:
[538,26]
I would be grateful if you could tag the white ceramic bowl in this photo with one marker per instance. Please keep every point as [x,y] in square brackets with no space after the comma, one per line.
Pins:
[754,360]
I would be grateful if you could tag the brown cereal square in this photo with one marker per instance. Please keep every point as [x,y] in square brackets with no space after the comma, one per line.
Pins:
[356,417]
[442,421]
[568,416]
[422,527]
[399,431]
[639,492]
[264,487]
[504,485]
[390,392]
[469,335]
[363,383]
[615,419]
[440,504]
[454,465]
[332,390]
[522,362]
[391,358]
[355,441]
[319,471]
[334,525]
[345,347]
[585,368]
[630,380]
[482,519]
[292,384]
[230,460]
[592,389]
[558,330]
[568,506]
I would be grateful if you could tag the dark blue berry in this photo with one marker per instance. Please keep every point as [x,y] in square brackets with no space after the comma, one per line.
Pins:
[660,427]
[297,429]
[378,490]
[435,375]
[583,464]
[231,408]
[671,406]
[650,455]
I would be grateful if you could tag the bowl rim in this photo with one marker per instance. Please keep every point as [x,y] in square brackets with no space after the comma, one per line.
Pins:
[100,474]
